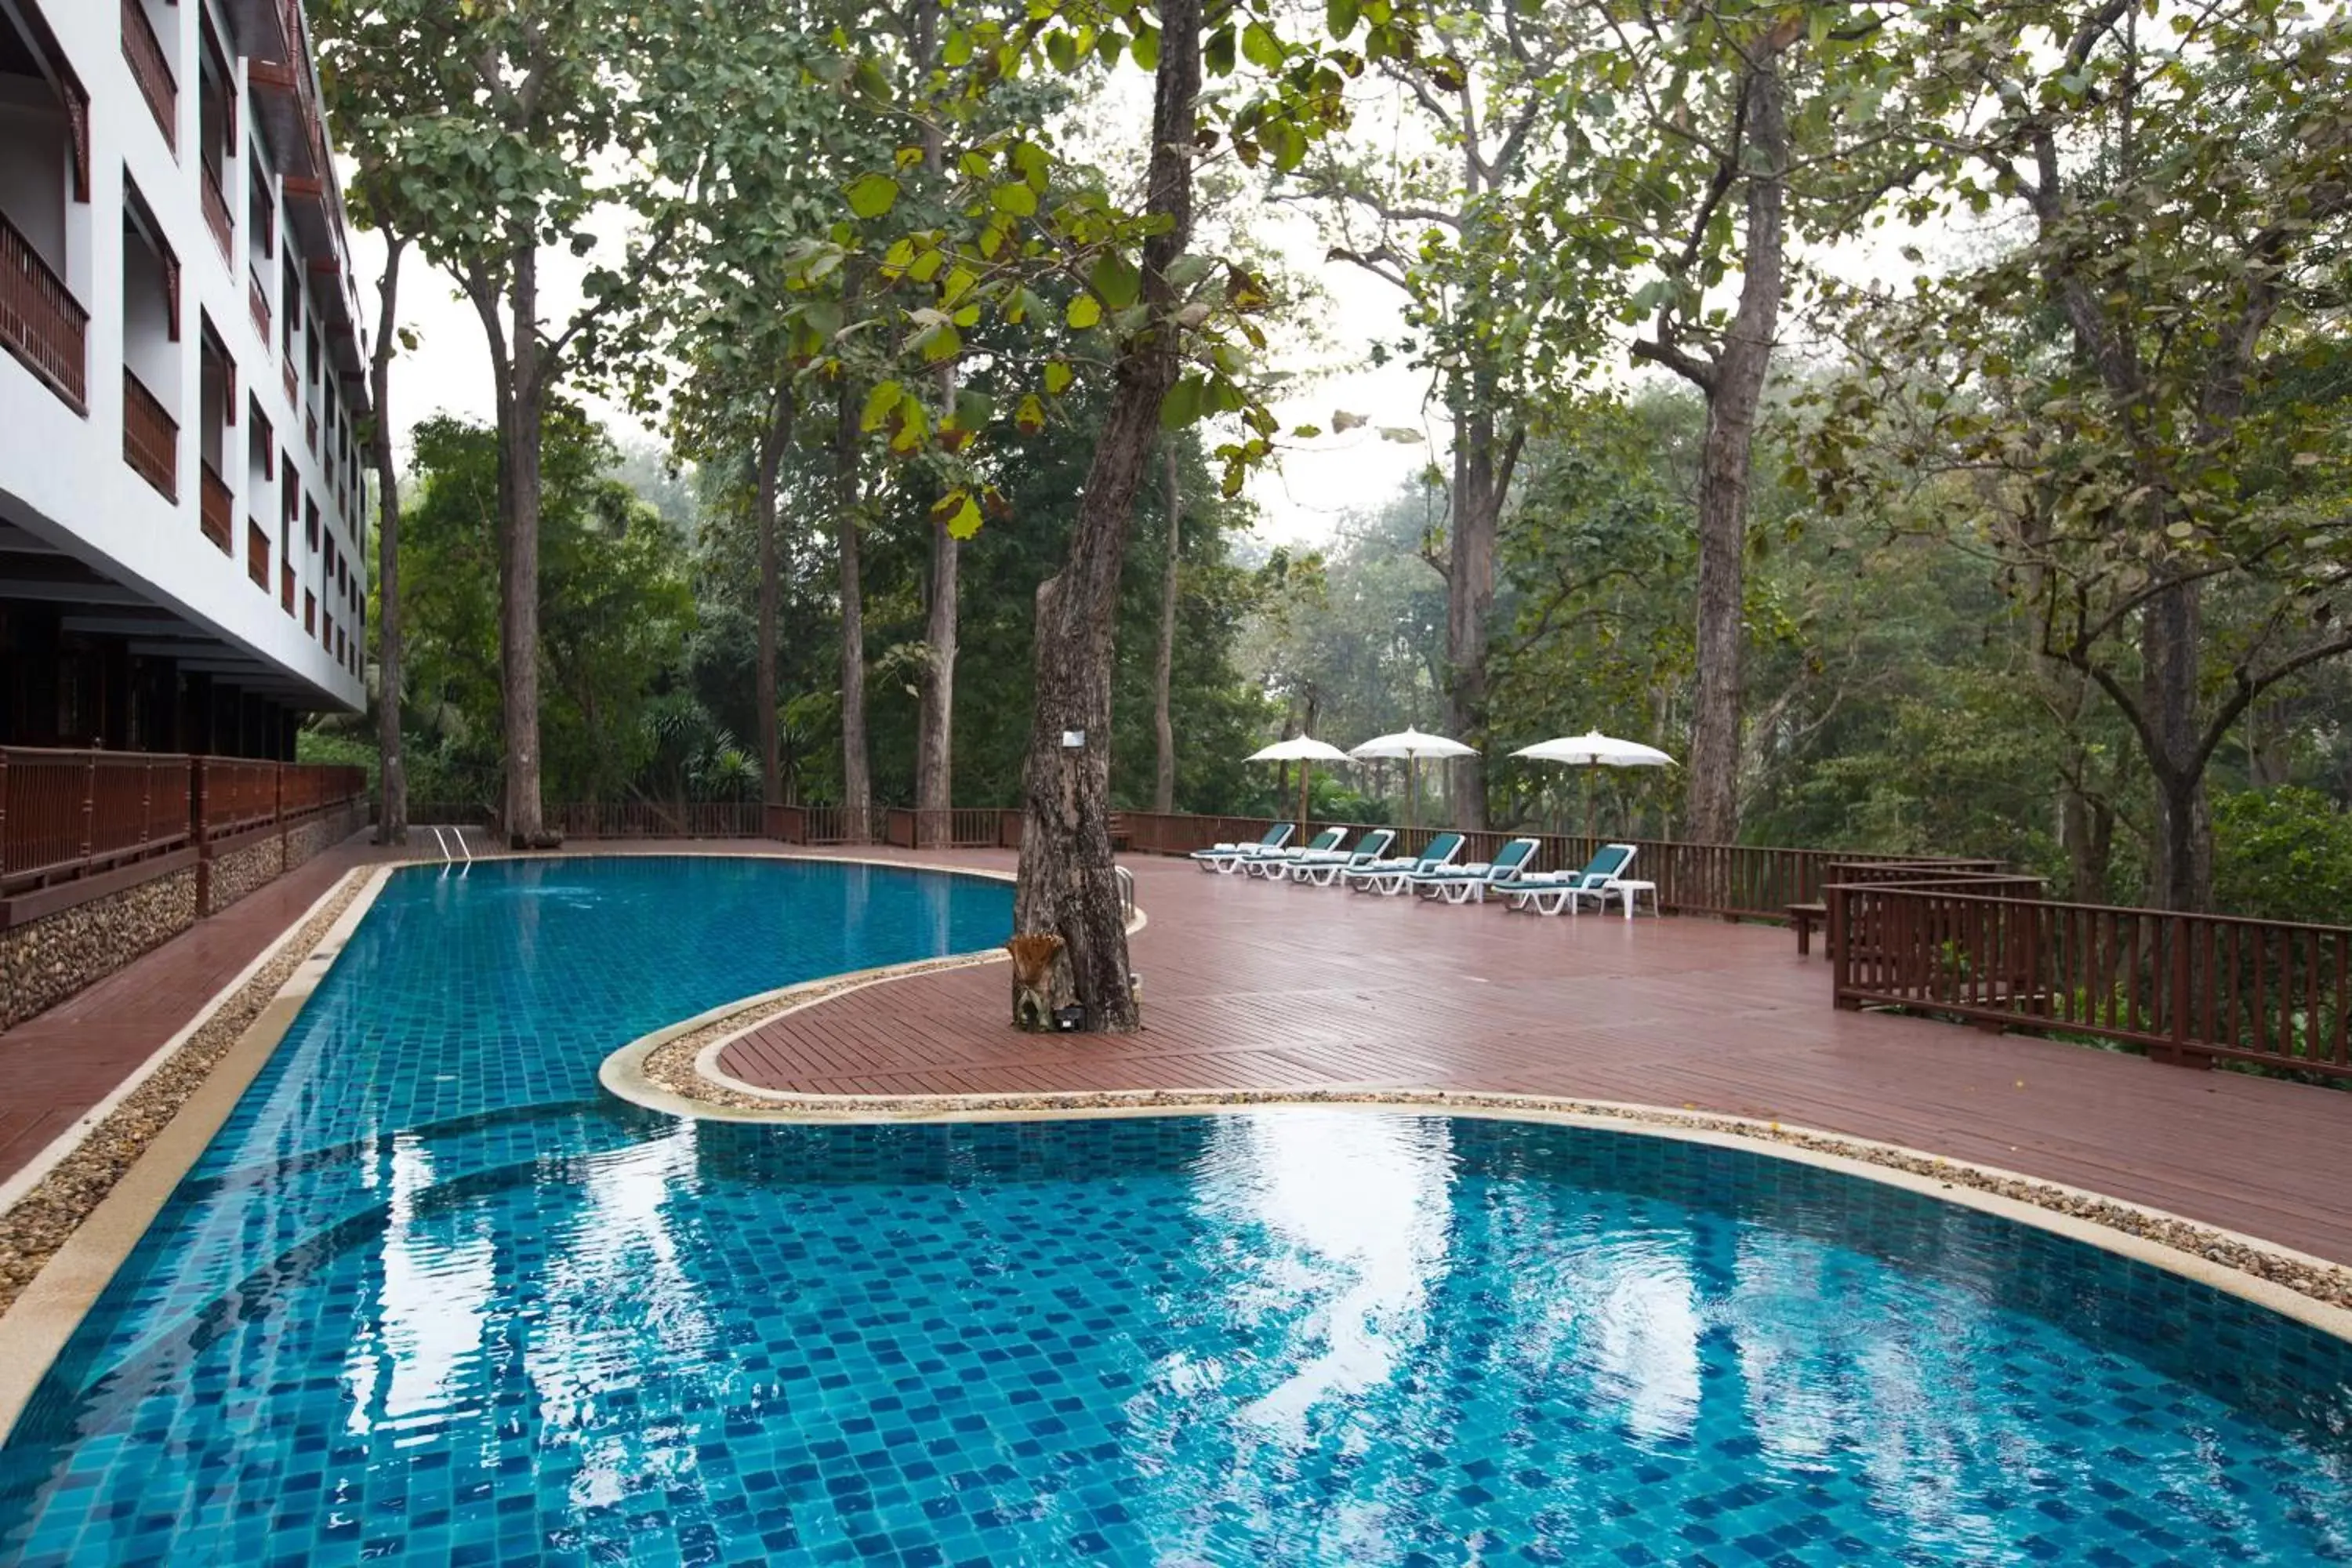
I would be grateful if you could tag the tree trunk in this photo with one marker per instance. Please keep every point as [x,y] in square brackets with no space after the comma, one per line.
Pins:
[394,826]
[935,713]
[857,776]
[1482,476]
[1163,666]
[519,626]
[763,505]
[935,704]
[2181,873]
[1068,886]
[1737,390]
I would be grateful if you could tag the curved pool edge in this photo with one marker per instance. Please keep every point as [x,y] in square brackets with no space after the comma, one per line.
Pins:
[43,1317]
[35,1325]
[2246,1267]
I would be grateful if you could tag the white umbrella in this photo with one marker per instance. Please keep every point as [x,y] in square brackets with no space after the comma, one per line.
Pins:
[1412,745]
[1594,750]
[1301,749]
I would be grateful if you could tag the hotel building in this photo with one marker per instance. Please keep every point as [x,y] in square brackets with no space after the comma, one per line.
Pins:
[183,558]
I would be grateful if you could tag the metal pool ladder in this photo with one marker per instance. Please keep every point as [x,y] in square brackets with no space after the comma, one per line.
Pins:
[441,837]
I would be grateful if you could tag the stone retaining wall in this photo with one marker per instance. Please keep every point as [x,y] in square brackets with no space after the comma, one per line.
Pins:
[45,960]
[240,871]
[306,841]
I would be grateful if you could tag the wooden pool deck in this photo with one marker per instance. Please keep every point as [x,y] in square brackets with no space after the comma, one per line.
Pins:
[1259,986]
[1250,984]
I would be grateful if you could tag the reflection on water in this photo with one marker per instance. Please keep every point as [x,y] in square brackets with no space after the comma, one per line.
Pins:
[428,1299]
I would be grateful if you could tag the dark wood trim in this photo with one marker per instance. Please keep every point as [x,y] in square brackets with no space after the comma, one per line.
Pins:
[22,909]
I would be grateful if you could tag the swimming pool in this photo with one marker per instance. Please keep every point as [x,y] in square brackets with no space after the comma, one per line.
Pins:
[430,1298]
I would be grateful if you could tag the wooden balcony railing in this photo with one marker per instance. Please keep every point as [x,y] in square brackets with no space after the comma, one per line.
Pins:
[150,437]
[152,69]
[286,586]
[68,814]
[216,508]
[257,300]
[293,385]
[41,322]
[216,217]
[311,430]
[256,554]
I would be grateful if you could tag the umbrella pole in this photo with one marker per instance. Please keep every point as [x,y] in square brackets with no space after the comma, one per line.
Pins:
[1412,792]
[1305,770]
[1587,800]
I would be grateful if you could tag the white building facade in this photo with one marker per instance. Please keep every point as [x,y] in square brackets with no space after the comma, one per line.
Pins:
[182,491]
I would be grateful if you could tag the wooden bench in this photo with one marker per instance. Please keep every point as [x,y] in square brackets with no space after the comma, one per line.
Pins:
[1805,917]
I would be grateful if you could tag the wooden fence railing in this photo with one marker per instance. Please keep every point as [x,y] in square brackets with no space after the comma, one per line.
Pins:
[660,819]
[964,827]
[67,815]
[2184,987]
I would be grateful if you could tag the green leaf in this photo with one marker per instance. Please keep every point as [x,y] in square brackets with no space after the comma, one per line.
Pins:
[973,409]
[1117,280]
[1062,48]
[1084,311]
[1147,48]
[1032,163]
[1261,47]
[1058,376]
[1182,405]
[1019,200]
[873,195]
[938,343]
[1029,417]
[1340,16]
[879,404]
[1217,53]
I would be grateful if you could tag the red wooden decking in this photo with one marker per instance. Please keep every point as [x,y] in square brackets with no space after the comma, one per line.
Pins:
[1254,985]
[56,1065]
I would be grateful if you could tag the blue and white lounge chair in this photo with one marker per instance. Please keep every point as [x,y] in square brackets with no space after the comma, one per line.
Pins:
[1550,893]
[1460,884]
[1270,865]
[1324,870]
[1223,858]
[1388,876]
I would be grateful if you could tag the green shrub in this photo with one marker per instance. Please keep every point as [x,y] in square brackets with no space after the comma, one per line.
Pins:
[2285,855]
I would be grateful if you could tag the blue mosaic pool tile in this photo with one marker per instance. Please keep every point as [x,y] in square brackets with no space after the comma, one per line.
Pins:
[430,1298]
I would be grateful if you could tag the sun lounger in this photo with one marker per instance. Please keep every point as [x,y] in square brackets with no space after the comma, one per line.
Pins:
[1460,884]
[1388,876]
[1325,869]
[1222,858]
[1550,894]
[1270,865]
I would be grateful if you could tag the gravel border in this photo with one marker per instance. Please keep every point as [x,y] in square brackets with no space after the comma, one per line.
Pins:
[37,1225]
[675,1065]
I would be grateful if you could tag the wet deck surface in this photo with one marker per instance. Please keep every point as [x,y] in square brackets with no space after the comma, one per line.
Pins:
[1254,985]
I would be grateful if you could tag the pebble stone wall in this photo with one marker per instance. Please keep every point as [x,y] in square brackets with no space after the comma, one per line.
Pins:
[45,960]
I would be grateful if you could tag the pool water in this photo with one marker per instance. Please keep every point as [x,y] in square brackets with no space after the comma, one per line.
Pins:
[429,1298]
